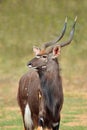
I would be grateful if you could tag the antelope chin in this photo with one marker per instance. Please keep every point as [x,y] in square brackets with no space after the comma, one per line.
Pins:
[34,67]
[43,67]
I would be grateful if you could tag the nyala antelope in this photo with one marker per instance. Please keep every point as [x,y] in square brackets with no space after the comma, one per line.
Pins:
[40,92]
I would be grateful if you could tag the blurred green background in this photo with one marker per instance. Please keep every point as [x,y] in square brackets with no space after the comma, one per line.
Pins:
[24,23]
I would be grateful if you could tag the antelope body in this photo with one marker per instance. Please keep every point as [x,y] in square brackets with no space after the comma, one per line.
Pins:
[40,93]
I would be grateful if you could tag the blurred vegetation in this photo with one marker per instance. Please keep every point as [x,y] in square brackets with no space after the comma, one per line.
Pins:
[24,23]
[27,23]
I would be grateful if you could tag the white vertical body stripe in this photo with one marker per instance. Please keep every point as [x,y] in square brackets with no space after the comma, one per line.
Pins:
[27,117]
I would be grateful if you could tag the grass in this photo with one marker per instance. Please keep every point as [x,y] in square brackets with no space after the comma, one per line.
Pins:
[27,23]
[73,113]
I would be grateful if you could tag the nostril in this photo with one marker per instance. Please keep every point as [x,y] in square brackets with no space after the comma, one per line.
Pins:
[29,65]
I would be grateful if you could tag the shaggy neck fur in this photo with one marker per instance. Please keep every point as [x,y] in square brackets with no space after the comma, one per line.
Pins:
[51,87]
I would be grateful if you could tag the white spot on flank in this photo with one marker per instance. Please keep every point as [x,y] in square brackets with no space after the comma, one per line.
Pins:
[25,88]
[27,117]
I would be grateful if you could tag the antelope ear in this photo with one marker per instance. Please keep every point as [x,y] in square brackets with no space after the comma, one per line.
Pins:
[56,51]
[36,50]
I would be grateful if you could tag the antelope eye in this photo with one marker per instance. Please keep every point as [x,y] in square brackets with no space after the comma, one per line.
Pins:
[44,56]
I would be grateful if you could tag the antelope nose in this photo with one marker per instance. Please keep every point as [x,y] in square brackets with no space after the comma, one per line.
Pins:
[29,65]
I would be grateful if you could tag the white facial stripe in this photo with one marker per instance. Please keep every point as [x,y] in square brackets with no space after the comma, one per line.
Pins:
[37,56]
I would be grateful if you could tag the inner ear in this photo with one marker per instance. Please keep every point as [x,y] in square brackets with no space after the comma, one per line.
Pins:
[36,50]
[56,51]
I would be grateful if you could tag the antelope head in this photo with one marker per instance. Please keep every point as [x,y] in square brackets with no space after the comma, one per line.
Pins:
[50,51]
